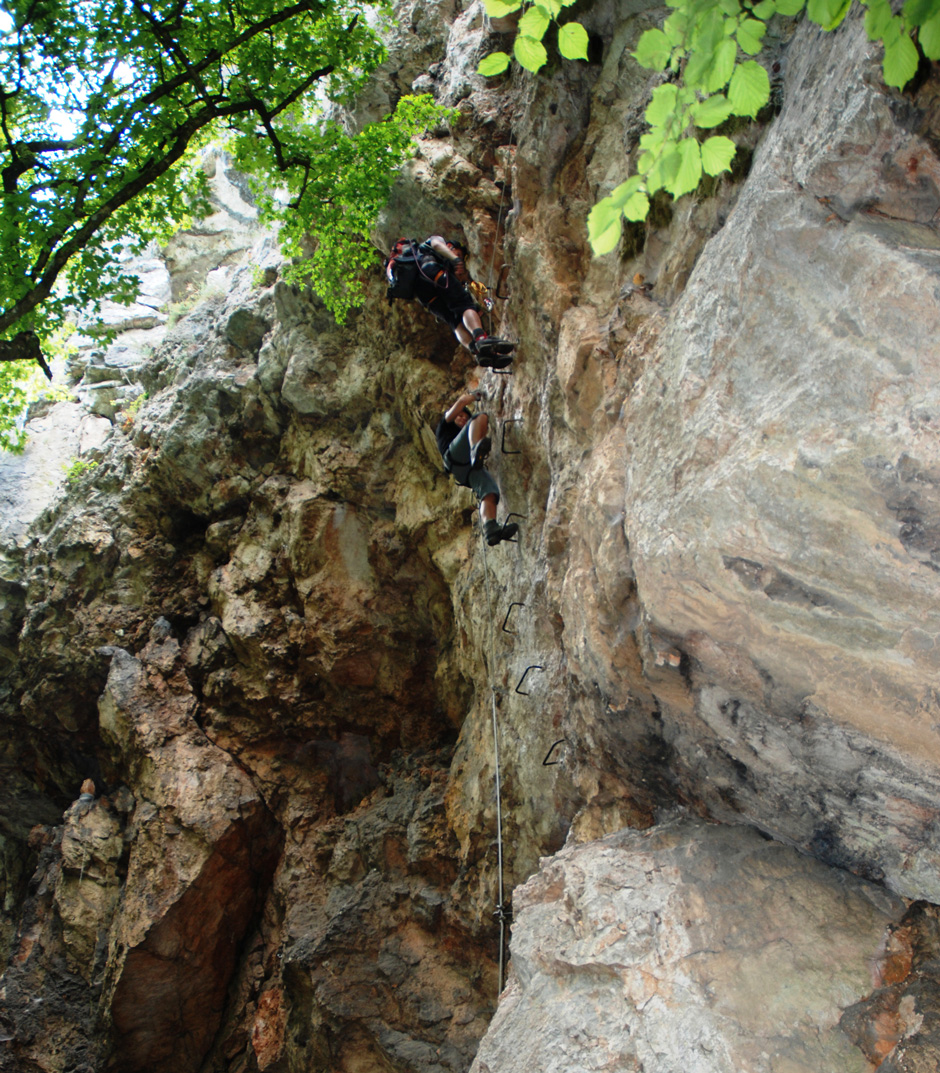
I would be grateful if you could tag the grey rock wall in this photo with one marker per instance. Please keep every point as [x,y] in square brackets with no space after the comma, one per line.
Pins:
[267,627]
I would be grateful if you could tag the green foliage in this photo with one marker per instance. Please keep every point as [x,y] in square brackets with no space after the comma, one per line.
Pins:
[702,49]
[105,106]
[536,20]
[338,196]
[77,468]
[13,401]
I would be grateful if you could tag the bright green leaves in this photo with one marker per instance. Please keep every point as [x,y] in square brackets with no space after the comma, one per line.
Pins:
[711,112]
[929,38]
[530,53]
[338,200]
[749,89]
[494,64]
[705,46]
[662,106]
[717,154]
[877,18]
[573,41]
[894,31]
[689,168]
[534,22]
[901,56]
[901,59]
[828,13]
[605,219]
[701,41]
[653,50]
[499,9]
[750,34]
[527,48]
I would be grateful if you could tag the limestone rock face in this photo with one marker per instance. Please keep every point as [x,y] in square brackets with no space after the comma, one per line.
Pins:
[780,480]
[687,946]
[264,624]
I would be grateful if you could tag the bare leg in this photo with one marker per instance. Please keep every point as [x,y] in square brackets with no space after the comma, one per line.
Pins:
[471,323]
[471,320]
[488,508]
[479,426]
[463,336]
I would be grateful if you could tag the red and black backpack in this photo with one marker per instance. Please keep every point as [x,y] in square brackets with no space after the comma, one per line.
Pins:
[402,269]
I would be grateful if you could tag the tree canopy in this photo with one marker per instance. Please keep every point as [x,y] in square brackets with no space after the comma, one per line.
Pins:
[104,105]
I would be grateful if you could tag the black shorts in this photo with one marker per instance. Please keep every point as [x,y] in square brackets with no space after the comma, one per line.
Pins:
[448,302]
[480,480]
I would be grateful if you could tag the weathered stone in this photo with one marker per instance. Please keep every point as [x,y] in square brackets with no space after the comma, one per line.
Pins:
[688,946]
[720,445]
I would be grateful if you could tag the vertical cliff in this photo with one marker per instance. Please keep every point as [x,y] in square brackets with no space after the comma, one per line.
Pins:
[261,618]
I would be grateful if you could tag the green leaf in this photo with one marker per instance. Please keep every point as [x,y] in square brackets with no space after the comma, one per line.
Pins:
[750,34]
[929,38]
[710,71]
[711,112]
[652,142]
[827,13]
[494,64]
[675,28]
[534,23]
[604,227]
[749,89]
[621,194]
[662,106]
[530,53]
[689,171]
[653,50]
[790,7]
[553,7]
[499,9]
[637,208]
[877,17]
[717,154]
[893,31]
[573,41]
[765,10]
[664,168]
[919,12]
[900,63]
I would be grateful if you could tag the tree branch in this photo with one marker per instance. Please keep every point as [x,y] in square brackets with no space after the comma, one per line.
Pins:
[24,346]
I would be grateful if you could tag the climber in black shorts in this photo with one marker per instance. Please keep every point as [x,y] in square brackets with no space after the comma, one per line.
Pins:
[440,287]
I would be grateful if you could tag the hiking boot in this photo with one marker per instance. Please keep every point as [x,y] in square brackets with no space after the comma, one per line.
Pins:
[489,345]
[479,451]
[494,532]
[495,361]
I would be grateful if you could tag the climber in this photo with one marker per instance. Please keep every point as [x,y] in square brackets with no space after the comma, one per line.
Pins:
[434,272]
[464,444]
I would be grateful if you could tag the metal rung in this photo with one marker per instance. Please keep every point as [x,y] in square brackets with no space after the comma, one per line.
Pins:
[531,667]
[502,444]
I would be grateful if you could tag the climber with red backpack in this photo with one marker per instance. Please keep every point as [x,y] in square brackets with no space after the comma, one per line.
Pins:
[434,272]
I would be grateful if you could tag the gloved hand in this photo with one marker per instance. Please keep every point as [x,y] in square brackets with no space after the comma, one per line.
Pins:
[460,270]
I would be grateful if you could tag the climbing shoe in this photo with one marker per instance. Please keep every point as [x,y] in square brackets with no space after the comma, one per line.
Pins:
[494,532]
[479,451]
[486,346]
[494,361]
